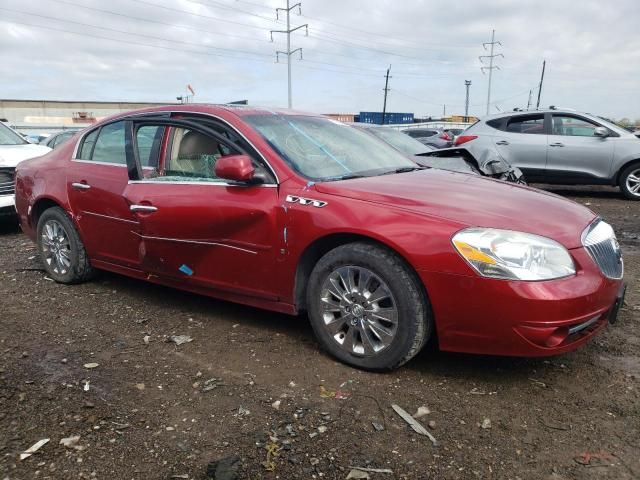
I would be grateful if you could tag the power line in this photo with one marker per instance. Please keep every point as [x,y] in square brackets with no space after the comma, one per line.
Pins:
[153,37]
[491,67]
[289,52]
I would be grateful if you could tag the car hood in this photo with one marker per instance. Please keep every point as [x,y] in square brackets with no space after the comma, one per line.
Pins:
[471,200]
[11,155]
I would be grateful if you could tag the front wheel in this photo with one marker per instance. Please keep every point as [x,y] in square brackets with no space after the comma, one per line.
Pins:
[63,255]
[367,308]
[630,182]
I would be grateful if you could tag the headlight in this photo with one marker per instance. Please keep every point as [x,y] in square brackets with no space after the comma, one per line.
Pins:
[513,255]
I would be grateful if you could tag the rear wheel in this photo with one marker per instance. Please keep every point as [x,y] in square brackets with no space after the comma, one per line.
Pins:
[630,182]
[367,308]
[61,250]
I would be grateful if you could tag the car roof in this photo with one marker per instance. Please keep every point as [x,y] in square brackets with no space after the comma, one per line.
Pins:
[511,113]
[206,108]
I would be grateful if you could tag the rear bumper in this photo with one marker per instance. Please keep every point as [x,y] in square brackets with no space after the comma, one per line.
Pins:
[531,319]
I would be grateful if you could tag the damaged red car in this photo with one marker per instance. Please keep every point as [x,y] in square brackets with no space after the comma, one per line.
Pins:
[295,213]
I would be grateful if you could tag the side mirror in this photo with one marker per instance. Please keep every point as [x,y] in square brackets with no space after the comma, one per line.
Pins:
[601,132]
[237,168]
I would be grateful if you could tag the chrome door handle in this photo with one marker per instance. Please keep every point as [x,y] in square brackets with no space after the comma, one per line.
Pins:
[502,142]
[557,144]
[80,186]
[143,208]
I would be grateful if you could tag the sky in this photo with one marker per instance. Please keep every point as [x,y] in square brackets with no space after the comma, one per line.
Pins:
[149,50]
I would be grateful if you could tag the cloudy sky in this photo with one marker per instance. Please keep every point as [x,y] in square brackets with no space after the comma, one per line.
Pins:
[149,50]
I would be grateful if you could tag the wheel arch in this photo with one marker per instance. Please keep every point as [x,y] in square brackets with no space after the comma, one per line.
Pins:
[319,247]
[623,167]
[39,207]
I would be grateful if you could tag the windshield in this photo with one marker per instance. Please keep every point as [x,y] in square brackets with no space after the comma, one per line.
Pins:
[9,137]
[324,149]
[399,140]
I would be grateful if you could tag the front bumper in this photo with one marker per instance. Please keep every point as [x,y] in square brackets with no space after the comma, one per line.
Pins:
[499,317]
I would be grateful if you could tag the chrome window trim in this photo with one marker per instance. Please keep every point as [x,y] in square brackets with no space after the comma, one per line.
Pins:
[109,164]
[134,117]
[219,184]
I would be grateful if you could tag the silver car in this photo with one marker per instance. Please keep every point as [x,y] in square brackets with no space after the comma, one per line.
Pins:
[561,147]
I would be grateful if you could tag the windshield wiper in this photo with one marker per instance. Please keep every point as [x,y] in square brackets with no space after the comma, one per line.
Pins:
[346,176]
[403,170]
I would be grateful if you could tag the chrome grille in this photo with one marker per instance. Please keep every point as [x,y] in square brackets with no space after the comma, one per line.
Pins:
[600,241]
[7,186]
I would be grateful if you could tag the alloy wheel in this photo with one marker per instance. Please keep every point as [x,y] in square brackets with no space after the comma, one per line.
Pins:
[56,247]
[633,182]
[359,310]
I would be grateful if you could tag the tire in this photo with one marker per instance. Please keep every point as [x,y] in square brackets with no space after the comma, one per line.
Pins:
[347,331]
[56,233]
[627,182]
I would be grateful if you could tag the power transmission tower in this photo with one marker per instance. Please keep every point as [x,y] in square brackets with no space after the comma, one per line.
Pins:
[386,90]
[544,64]
[491,66]
[288,32]
[467,84]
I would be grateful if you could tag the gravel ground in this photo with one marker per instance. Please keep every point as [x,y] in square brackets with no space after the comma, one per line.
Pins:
[254,384]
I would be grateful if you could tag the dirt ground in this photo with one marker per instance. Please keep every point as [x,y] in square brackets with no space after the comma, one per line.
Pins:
[155,410]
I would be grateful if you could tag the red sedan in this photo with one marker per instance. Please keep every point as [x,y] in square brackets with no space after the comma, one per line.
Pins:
[295,212]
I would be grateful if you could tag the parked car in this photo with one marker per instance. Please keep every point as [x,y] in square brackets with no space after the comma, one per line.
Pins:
[435,137]
[295,212]
[13,149]
[456,160]
[562,147]
[36,138]
[58,139]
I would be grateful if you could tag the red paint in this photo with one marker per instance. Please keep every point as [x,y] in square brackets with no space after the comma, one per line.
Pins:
[244,243]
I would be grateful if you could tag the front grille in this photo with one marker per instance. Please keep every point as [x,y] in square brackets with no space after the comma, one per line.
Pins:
[7,176]
[600,241]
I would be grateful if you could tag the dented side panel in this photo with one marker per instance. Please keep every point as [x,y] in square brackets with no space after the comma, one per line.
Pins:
[217,236]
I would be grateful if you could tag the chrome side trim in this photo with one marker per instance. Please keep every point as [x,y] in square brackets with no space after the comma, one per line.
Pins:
[584,325]
[118,219]
[305,201]
[195,242]
[75,150]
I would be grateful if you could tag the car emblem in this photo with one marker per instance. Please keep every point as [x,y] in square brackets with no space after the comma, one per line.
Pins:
[305,201]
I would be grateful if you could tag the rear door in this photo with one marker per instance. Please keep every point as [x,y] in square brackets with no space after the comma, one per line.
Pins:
[95,183]
[575,155]
[197,228]
[522,141]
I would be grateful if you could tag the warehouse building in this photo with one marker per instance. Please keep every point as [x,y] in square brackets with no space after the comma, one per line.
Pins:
[51,115]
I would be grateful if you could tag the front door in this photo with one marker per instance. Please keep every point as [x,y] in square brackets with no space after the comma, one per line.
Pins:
[575,154]
[95,183]
[200,229]
[523,143]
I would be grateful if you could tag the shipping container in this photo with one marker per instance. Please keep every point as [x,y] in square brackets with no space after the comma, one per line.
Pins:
[389,118]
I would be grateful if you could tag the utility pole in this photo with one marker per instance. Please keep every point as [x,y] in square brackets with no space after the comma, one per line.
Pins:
[491,66]
[544,64]
[467,84]
[386,90]
[289,52]
[529,101]
[444,111]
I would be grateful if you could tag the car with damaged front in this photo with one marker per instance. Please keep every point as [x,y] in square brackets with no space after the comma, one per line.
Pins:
[454,159]
[294,212]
